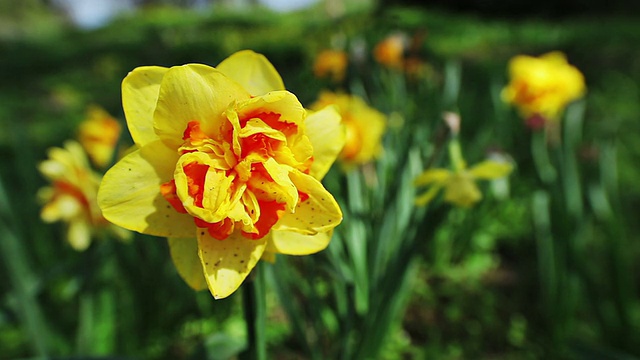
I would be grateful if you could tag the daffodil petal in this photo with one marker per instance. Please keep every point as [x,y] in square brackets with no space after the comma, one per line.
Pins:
[490,169]
[184,253]
[283,103]
[139,98]
[253,71]
[327,135]
[462,191]
[268,256]
[193,92]
[319,213]
[430,176]
[79,234]
[293,243]
[426,198]
[227,263]
[130,197]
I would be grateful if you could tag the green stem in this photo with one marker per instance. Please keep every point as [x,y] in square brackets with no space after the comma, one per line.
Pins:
[22,278]
[255,309]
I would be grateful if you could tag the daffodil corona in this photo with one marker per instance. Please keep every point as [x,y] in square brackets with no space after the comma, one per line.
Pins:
[227,167]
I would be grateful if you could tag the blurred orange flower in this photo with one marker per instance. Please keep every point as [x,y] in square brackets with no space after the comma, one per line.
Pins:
[71,197]
[391,50]
[331,63]
[99,134]
[364,125]
[543,86]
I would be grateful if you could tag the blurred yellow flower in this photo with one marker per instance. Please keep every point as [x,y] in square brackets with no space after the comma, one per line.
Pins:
[543,86]
[459,185]
[364,125]
[72,195]
[331,63]
[99,134]
[390,51]
[228,168]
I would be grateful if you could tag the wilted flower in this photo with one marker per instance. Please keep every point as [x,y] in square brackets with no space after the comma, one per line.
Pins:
[542,86]
[364,126]
[72,195]
[331,63]
[99,134]
[390,51]
[228,157]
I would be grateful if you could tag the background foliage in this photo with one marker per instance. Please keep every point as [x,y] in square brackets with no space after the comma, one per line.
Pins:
[528,276]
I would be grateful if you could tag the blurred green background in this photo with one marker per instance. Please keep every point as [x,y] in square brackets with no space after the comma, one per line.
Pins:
[522,277]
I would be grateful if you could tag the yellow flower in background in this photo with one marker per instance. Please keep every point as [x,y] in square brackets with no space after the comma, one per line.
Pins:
[460,187]
[459,184]
[228,168]
[364,125]
[71,198]
[391,50]
[331,63]
[543,86]
[99,134]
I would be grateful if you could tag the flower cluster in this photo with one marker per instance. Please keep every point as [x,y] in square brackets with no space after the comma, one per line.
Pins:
[227,167]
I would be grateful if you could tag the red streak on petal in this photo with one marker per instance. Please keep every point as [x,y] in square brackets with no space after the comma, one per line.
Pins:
[219,230]
[270,213]
[196,174]
[302,197]
[193,132]
[258,143]
[63,187]
[168,191]
[273,120]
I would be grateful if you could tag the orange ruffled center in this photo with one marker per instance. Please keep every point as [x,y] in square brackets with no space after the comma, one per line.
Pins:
[239,179]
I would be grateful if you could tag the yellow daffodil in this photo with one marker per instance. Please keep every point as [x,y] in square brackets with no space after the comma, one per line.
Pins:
[542,86]
[459,184]
[72,195]
[390,51]
[99,134]
[228,168]
[331,63]
[364,126]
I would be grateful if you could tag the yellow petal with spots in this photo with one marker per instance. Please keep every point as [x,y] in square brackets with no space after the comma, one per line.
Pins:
[139,98]
[319,213]
[327,136]
[193,92]
[227,263]
[129,194]
[184,253]
[253,71]
[293,243]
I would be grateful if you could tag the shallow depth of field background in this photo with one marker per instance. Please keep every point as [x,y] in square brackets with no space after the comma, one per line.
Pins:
[518,276]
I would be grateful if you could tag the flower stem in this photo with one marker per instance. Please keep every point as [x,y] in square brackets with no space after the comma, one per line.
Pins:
[254,305]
